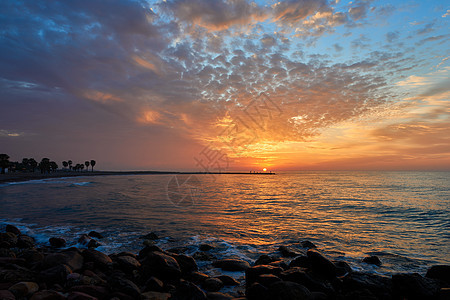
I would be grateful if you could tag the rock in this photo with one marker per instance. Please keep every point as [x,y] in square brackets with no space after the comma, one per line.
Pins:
[313,284]
[17,274]
[203,256]
[363,294]
[187,263]
[25,241]
[321,265]
[218,296]
[205,247]
[265,260]
[373,260]
[99,259]
[319,296]
[6,252]
[342,268]
[120,296]
[125,286]
[12,260]
[71,257]
[47,295]
[12,229]
[161,266]
[378,285]
[128,263]
[80,296]
[188,291]
[150,236]
[84,239]
[289,252]
[92,290]
[24,288]
[57,274]
[154,284]
[228,280]
[267,279]
[286,290]
[308,245]
[6,295]
[440,272]
[230,264]
[300,261]
[197,277]
[155,296]
[57,242]
[212,284]
[95,234]
[149,249]
[257,291]
[444,294]
[414,286]
[178,250]
[93,244]
[32,257]
[8,239]
[252,274]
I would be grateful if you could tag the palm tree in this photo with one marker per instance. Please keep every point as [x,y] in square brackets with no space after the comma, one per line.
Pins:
[45,165]
[70,164]
[65,164]
[92,164]
[4,162]
[87,163]
[53,166]
[33,164]
[81,167]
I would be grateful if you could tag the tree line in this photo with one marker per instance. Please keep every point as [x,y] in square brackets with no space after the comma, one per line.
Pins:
[44,166]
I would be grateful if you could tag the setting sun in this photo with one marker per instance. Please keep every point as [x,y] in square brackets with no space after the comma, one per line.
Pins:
[264,169]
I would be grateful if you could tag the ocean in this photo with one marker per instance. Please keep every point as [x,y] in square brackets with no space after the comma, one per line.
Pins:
[402,217]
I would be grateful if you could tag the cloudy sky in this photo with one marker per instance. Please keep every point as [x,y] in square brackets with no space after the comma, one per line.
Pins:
[227,84]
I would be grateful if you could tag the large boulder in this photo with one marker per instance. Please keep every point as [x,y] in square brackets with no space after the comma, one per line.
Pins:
[251,274]
[7,295]
[321,265]
[287,290]
[212,284]
[230,264]
[187,263]
[8,240]
[372,260]
[125,286]
[299,275]
[161,266]
[17,274]
[440,272]
[289,252]
[99,259]
[57,274]
[128,263]
[25,241]
[414,286]
[47,295]
[12,229]
[71,257]
[378,285]
[24,289]
[186,290]
[57,242]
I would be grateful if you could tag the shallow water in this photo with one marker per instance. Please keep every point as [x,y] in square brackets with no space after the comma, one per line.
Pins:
[403,217]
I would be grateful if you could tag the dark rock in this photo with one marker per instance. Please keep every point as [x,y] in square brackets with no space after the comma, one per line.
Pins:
[120,296]
[289,252]
[154,284]
[155,296]
[148,249]
[178,250]
[25,241]
[228,280]
[124,253]
[6,295]
[57,274]
[363,294]
[92,290]
[205,247]
[97,278]
[12,229]
[47,295]
[8,239]
[287,290]
[84,239]
[378,285]
[444,294]
[149,236]
[267,279]
[99,259]
[80,296]
[342,268]
[125,286]
[308,245]
[313,284]
[414,286]
[92,244]
[187,263]
[265,260]
[300,261]
[212,284]
[6,252]
[257,291]
[230,264]
[24,288]
[12,260]
[197,277]
[32,257]
[161,266]
[251,274]
[17,274]
[57,242]
[321,265]
[71,257]
[373,260]
[203,256]
[218,296]
[440,272]
[188,291]
[318,296]
[128,263]
[95,234]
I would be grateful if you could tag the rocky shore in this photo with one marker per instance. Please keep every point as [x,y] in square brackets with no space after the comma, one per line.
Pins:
[52,271]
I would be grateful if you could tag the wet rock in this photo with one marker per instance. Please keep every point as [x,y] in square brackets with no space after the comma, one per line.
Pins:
[80,296]
[203,256]
[57,242]
[414,286]
[99,259]
[228,280]
[99,292]
[265,260]
[125,286]
[205,247]
[373,260]
[161,266]
[440,272]
[212,284]
[12,260]
[187,263]
[444,294]
[218,296]
[95,234]
[47,295]
[318,296]
[149,249]
[25,241]
[84,239]
[313,284]
[17,274]
[257,291]
[342,268]
[321,265]
[197,277]
[378,285]
[57,274]
[92,244]
[286,290]
[155,296]
[6,252]
[251,274]
[8,239]
[268,279]
[230,264]
[128,263]
[71,257]
[150,236]
[308,244]
[7,295]
[178,250]
[12,229]
[187,291]
[24,289]
[289,252]
[300,261]
[154,284]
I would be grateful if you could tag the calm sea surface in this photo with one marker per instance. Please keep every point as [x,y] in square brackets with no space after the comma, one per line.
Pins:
[403,217]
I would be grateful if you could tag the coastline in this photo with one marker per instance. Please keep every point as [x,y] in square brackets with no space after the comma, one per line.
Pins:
[19,177]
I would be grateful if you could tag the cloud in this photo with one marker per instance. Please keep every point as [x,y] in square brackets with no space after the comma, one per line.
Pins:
[446,14]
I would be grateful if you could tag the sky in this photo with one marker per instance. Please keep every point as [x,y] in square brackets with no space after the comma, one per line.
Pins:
[227,84]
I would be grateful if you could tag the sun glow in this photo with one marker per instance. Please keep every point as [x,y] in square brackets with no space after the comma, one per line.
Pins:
[264,170]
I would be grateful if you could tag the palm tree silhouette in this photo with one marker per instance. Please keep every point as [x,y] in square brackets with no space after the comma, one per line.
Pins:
[4,162]
[87,165]
[92,164]
[65,164]
[70,164]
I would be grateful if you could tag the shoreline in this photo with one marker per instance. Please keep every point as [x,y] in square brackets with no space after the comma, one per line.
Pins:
[19,177]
